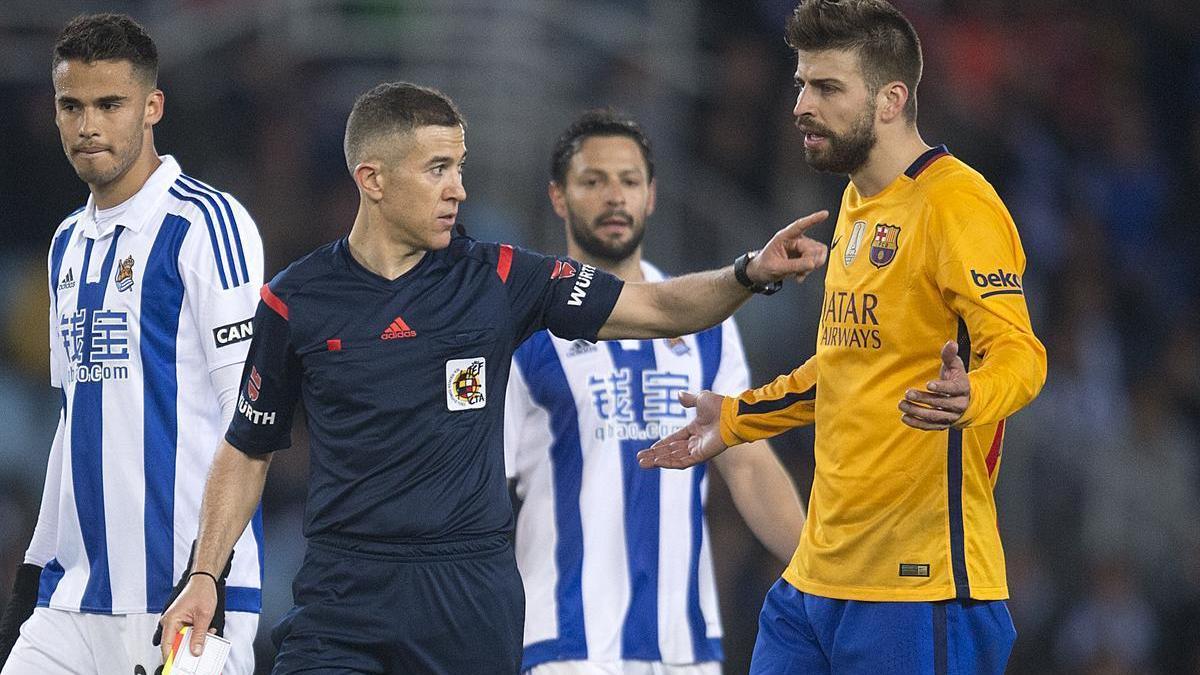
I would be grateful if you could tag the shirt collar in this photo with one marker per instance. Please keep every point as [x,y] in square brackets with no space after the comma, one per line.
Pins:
[139,206]
[651,272]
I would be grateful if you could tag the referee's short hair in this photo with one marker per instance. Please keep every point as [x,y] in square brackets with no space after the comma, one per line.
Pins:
[395,107]
[108,37]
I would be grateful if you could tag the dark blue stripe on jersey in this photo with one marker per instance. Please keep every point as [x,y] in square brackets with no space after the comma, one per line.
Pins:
[537,653]
[212,232]
[237,235]
[243,599]
[57,251]
[775,405]
[954,482]
[710,343]
[162,300]
[549,388]
[87,441]
[256,527]
[226,237]
[52,573]
[941,646]
[639,634]
[925,160]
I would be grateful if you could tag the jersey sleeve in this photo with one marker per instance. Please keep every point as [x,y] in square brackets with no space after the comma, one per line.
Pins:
[57,367]
[789,401]
[270,386]
[979,267]
[517,406]
[57,356]
[733,375]
[571,299]
[44,542]
[222,275]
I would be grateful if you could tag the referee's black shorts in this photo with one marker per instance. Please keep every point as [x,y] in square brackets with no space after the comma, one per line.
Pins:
[449,608]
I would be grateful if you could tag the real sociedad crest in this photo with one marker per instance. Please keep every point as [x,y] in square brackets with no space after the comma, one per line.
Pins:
[885,244]
[125,274]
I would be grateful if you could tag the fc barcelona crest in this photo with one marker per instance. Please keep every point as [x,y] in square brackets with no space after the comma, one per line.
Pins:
[125,274]
[884,244]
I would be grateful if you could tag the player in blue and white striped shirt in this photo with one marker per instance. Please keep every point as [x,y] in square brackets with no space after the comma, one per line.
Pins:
[153,284]
[616,560]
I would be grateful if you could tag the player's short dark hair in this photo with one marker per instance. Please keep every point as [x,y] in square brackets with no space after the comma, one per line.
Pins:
[887,44]
[104,37]
[605,122]
[396,107]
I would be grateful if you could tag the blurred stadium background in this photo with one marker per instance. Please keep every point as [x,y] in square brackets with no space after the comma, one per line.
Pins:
[1085,115]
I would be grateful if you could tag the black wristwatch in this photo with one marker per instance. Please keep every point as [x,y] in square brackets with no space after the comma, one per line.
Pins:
[739,271]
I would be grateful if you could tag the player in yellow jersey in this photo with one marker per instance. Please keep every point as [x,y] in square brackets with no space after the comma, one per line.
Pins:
[924,348]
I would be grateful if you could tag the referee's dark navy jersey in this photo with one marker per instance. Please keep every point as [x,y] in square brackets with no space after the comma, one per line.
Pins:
[403,381]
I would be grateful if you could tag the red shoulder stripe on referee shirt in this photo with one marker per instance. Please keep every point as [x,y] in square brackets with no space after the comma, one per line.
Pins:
[504,264]
[994,454]
[273,301]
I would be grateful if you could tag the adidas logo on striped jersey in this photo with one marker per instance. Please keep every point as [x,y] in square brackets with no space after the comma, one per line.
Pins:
[398,329]
[67,281]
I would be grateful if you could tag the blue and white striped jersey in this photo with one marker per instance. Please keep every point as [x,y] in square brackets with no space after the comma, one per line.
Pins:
[615,559]
[146,300]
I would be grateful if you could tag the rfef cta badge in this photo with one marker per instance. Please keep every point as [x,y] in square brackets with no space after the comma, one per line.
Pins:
[466,384]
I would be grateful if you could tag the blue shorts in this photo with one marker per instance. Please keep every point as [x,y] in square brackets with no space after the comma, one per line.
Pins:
[803,633]
[447,608]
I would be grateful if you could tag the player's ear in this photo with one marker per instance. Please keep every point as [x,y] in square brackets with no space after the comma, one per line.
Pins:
[558,198]
[154,107]
[651,197]
[890,101]
[369,178]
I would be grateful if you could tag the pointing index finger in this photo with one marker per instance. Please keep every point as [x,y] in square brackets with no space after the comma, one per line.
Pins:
[800,225]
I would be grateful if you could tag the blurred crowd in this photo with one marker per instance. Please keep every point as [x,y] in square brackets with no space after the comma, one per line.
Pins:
[1085,116]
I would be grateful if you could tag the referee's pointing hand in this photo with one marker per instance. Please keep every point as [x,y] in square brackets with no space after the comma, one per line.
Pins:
[790,253]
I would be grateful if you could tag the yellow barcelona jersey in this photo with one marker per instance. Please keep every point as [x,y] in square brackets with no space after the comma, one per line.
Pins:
[897,513]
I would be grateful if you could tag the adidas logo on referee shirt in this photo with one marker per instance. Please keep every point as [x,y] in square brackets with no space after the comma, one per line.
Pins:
[398,329]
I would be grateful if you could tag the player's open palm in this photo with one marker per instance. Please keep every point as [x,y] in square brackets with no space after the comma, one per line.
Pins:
[791,253]
[945,399]
[698,442]
[194,607]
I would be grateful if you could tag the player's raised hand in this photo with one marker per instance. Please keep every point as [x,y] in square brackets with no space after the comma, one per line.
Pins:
[698,442]
[194,607]
[944,401]
[790,253]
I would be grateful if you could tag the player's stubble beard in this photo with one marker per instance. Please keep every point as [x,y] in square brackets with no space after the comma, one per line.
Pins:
[845,153]
[609,250]
[122,160]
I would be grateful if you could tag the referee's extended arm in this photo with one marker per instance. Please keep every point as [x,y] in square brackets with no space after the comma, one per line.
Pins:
[234,487]
[693,302]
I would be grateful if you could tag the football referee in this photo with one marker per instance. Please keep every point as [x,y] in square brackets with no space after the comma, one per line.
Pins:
[399,339]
